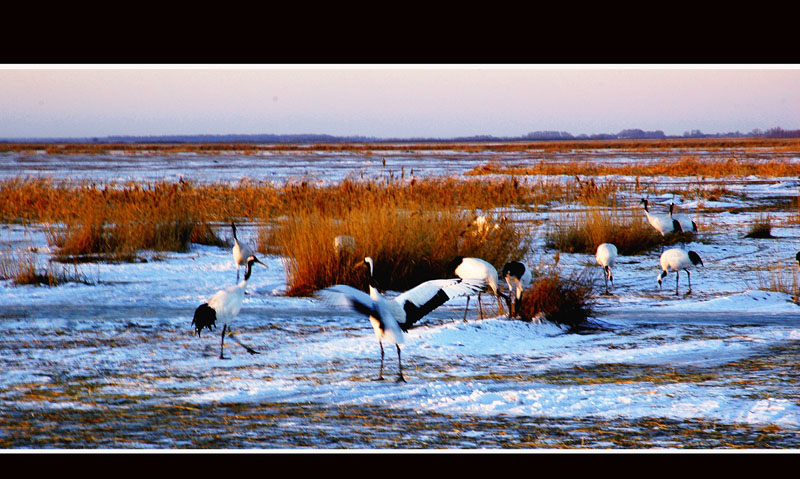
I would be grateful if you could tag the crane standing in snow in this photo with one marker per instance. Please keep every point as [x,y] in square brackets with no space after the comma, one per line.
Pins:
[677,260]
[224,305]
[241,251]
[476,268]
[606,256]
[518,277]
[662,224]
[391,318]
[687,224]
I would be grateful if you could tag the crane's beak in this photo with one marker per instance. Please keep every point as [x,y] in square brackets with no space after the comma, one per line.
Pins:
[256,260]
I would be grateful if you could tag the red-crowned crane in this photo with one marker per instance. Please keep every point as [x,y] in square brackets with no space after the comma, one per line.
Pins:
[390,318]
[687,224]
[241,251]
[662,223]
[677,260]
[518,277]
[224,305]
[476,268]
[606,256]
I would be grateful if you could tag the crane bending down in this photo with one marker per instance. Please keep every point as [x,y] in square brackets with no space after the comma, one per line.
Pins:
[224,305]
[476,268]
[518,277]
[391,318]
[241,251]
[677,260]
[606,256]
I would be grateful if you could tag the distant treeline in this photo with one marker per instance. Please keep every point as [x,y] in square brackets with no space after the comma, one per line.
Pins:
[628,134]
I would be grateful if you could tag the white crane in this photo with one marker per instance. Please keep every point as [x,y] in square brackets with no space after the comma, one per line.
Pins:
[224,305]
[662,223]
[241,251]
[518,277]
[476,268]
[687,224]
[391,318]
[677,260]
[606,256]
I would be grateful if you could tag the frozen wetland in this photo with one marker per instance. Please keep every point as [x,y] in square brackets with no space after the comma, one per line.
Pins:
[115,364]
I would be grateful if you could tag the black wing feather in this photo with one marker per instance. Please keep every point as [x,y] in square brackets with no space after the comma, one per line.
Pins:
[414,312]
[204,317]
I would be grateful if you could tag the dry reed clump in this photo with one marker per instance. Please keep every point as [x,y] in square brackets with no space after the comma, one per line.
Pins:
[563,301]
[584,232]
[22,270]
[780,278]
[761,228]
[408,246]
[113,224]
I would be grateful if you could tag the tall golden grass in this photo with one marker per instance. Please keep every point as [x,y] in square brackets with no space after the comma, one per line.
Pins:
[43,200]
[584,232]
[22,269]
[685,166]
[108,222]
[408,246]
[566,301]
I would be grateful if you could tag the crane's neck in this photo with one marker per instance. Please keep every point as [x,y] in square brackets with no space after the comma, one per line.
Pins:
[373,285]
[247,272]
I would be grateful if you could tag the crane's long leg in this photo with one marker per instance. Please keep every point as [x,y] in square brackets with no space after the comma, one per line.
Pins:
[236,340]
[499,304]
[466,309]
[222,342]
[677,276]
[380,374]
[400,378]
[480,305]
[689,277]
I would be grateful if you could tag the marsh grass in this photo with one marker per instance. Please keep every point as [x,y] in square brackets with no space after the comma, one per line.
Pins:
[22,269]
[566,301]
[93,237]
[761,227]
[666,145]
[780,278]
[408,246]
[690,166]
[109,222]
[584,232]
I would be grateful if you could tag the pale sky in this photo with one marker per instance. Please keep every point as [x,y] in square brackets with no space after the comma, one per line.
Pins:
[393,101]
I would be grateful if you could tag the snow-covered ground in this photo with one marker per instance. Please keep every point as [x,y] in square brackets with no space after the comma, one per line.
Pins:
[131,328]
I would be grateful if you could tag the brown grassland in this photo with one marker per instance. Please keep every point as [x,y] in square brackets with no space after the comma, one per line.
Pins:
[689,166]
[410,227]
[776,144]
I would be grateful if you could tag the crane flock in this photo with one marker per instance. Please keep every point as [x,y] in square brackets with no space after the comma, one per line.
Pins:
[391,318]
